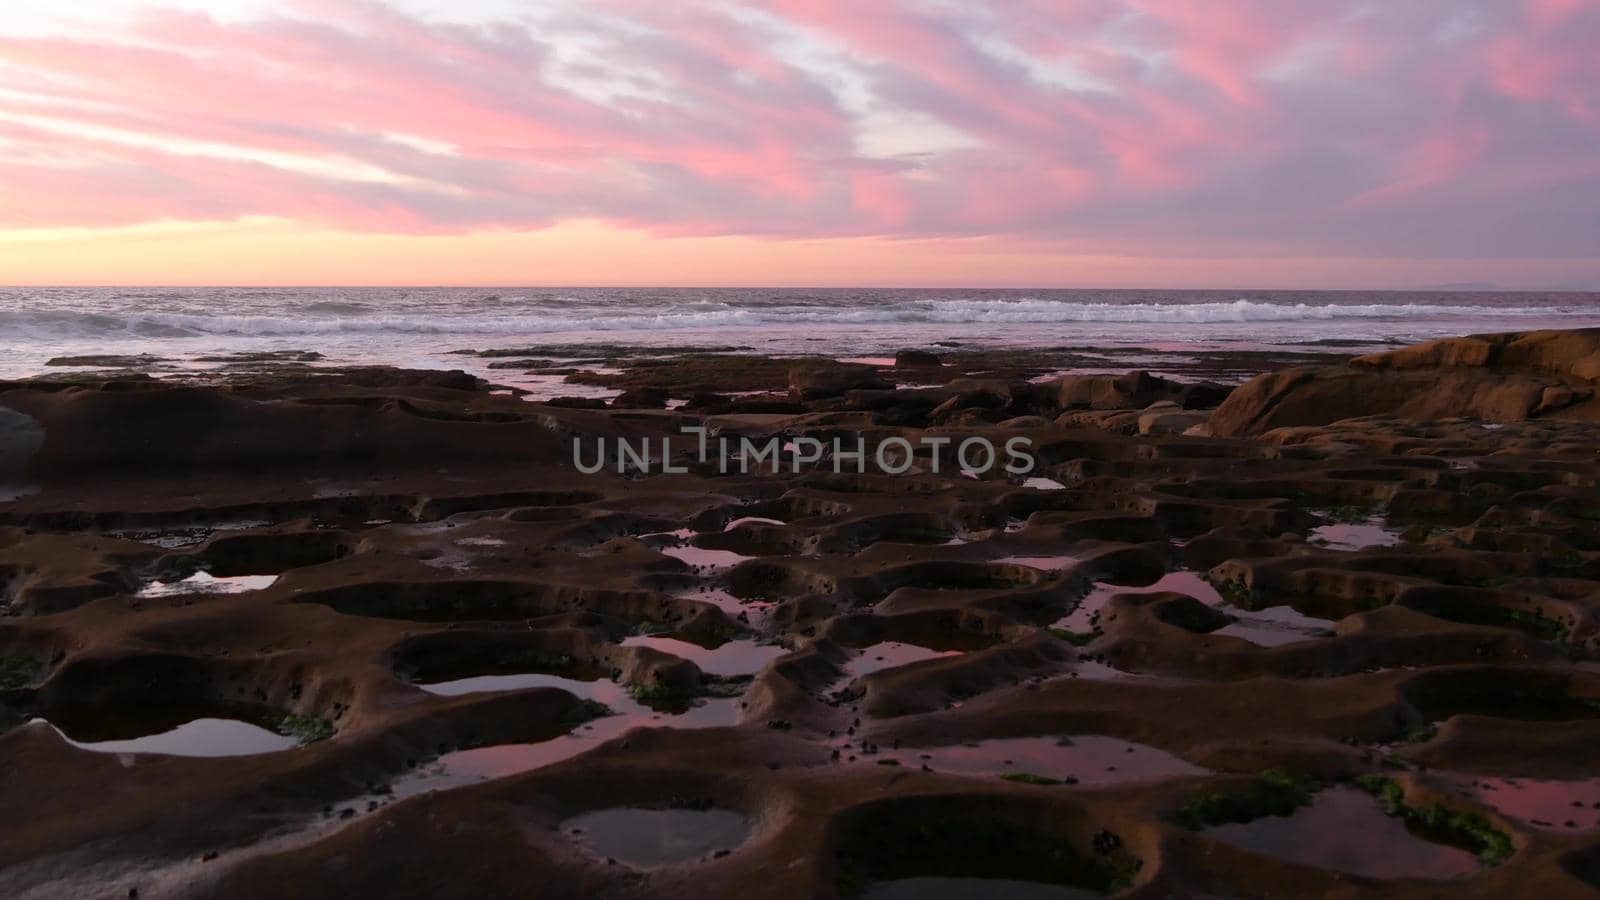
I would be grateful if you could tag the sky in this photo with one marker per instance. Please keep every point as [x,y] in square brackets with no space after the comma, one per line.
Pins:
[1015,143]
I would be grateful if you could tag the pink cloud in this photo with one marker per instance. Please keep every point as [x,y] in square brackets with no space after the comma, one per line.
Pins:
[1329,127]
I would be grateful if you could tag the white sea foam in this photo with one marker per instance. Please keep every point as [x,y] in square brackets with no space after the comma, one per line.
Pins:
[554,317]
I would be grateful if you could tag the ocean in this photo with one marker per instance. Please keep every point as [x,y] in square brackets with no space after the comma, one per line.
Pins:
[419,327]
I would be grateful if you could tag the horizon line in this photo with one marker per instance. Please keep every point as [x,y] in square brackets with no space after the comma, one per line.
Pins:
[1437,288]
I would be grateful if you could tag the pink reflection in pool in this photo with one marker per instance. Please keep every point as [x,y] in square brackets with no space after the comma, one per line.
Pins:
[890,655]
[731,659]
[1089,759]
[1374,532]
[1276,626]
[1567,805]
[1344,829]
[1085,615]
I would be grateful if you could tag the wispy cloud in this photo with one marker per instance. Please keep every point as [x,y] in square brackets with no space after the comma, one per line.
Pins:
[1269,127]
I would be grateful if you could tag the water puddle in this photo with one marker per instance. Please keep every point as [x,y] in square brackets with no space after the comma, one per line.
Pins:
[1374,532]
[752,520]
[1043,484]
[1275,626]
[681,534]
[703,559]
[646,838]
[1090,760]
[754,612]
[1344,829]
[972,889]
[206,583]
[1044,563]
[464,767]
[1573,805]
[1094,670]
[196,737]
[187,536]
[600,690]
[481,542]
[730,659]
[1085,616]
[461,562]
[891,655]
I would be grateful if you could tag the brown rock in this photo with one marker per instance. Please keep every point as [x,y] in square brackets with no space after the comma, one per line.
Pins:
[105,361]
[1560,397]
[576,402]
[1025,422]
[1574,353]
[1170,420]
[1135,390]
[816,383]
[20,438]
[701,400]
[914,358]
[1497,378]
[981,405]
[1117,421]
[1204,395]
[641,398]
[1467,351]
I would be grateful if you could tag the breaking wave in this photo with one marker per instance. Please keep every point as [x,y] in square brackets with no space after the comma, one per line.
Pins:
[554,317]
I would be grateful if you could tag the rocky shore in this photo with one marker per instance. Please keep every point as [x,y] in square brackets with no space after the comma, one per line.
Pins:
[1333,631]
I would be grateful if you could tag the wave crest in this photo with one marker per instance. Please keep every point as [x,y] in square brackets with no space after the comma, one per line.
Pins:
[359,319]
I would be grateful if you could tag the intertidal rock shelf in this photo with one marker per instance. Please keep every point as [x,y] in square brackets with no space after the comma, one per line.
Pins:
[370,633]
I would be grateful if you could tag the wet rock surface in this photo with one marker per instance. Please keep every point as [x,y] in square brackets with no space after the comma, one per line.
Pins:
[1496,378]
[1354,657]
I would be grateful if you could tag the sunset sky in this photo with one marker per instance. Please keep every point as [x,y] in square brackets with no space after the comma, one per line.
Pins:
[1185,143]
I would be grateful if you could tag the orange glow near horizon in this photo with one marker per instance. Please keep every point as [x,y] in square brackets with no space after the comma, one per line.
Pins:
[269,252]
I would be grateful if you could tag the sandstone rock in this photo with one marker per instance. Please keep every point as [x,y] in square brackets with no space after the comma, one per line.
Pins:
[1117,421]
[104,361]
[700,400]
[913,358]
[901,416]
[816,383]
[763,404]
[997,387]
[21,436]
[1467,351]
[1574,353]
[532,365]
[324,424]
[263,356]
[909,407]
[967,418]
[576,402]
[389,377]
[1204,395]
[1170,421]
[1496,378]
[641,398]
[925,398]
[1560,397]
[1135,390]
[977,401]
[1025,422]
